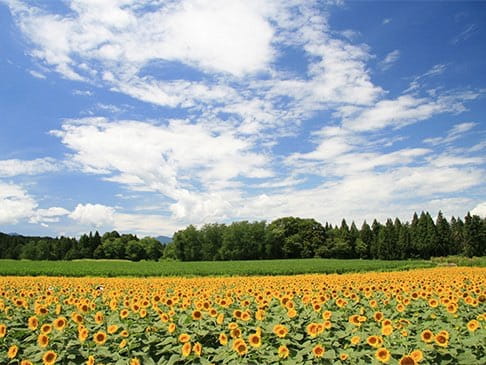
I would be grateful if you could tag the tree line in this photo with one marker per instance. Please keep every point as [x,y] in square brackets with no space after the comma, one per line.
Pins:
[111,245]
[293,237]
[288,237]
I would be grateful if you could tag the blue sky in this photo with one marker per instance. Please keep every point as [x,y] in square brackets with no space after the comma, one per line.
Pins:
[147,116]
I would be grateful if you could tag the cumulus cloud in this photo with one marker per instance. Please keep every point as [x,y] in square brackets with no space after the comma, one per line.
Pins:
[188,163]
[49,215]
[15,203]
[480,210]
[95,215]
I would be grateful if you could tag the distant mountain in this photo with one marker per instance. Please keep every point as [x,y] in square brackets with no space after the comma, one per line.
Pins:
[14,234]
[164,239]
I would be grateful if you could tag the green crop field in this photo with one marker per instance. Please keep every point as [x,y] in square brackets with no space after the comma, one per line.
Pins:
[202,268]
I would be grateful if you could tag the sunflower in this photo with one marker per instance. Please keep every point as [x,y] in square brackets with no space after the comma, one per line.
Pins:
[49,358]
[280,330]
[291,313]
[197,349]
[76,317]
[354,319]
[59,323]
[112,328]
[99,317]
[197,315]
[33,323]
[427,336]
[472,325]
[407,360]
[3,330]
[441,339]
[374,341]
[42,340]
[223,339]
[255,340]
[100,337]
[312,329]
[382,355]
[220,318]
[46,329]
[240,347]
[245,316]
[171,328]
[135,361]
[387,330]
[124,313]
[83,334]
[12,351]
[318,351]
[91,360]
[378,316]
[355,340]
[283,352]
[417,355]
[122,343]
[343,356]
[184,337]
[26,362]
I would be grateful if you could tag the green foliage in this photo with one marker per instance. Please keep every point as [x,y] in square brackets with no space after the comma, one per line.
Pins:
[112,268]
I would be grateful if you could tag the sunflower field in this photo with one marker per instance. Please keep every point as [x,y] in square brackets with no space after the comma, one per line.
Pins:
[427,316]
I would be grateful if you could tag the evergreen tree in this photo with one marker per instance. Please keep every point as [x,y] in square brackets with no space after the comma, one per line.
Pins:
[366,236]
[386,241]
[414,236]
[375,228]
[473,236]
[404,246]
[444,239]
[457,236]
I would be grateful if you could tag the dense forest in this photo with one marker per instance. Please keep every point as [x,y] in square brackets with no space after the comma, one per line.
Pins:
[111,245]
[288,237]
[303,238]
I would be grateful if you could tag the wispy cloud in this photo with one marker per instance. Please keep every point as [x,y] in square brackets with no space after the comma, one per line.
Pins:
[37,74]
[389,60]
[82,92]
[453,134]
[468,31]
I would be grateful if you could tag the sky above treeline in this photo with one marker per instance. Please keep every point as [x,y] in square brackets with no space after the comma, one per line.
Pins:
[147,116]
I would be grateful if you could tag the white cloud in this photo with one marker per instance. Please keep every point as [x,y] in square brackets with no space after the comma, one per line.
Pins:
[15,203]
[405,110]
[96,215]
[389,60]
[185,162]
[49,215]
[233,37]
[453,134]
[419,80]
[14,167]
[386,21]
[480,210]
[37,74]
[82,92]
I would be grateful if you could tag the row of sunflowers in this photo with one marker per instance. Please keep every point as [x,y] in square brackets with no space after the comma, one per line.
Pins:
[430,316]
